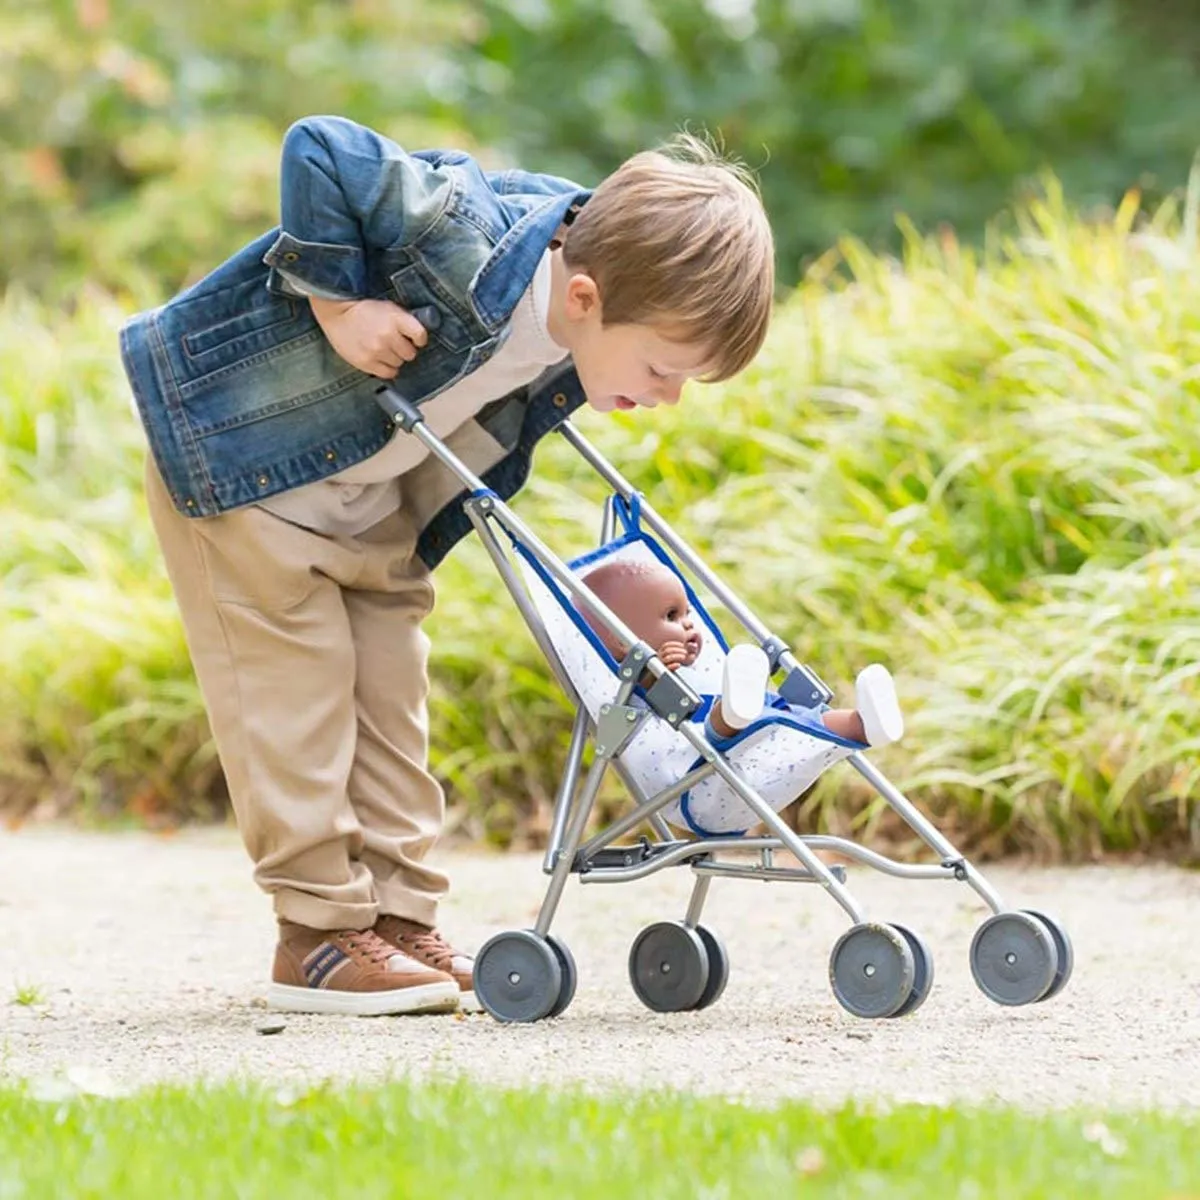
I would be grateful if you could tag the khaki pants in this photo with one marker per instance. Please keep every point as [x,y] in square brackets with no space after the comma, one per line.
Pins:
[312,662]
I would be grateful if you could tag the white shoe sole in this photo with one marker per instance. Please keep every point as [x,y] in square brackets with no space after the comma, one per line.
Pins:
[425,998]
[744,685]
[469,1003]
[875,693]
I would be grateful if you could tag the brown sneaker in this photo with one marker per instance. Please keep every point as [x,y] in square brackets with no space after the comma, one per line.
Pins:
[428,946]
[354,972]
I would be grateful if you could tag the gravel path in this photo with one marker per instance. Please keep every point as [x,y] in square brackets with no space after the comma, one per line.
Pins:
[151,956]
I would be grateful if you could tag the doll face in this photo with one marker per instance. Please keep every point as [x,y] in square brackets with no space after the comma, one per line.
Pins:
[666,615]
[653,603]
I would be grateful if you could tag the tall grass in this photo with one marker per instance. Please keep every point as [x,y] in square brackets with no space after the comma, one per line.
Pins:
[98,709]
[978,466]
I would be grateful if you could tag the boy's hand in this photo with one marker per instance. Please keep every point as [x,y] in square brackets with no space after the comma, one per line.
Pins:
[376,336]
[673,655]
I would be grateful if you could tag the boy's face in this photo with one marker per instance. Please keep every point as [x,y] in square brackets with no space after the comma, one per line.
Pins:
[623,367]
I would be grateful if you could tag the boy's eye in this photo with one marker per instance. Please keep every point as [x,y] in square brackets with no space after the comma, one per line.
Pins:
[655,374]
[673,614]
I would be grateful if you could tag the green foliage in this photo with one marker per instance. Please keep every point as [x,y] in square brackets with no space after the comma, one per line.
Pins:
[979,467]
[95,693]
[443,1138]
[856,109]
[139,141]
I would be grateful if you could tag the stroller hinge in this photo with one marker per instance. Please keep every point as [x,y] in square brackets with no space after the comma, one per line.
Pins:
[402,411]
[805,688]
[672,699]
[617,724]
[958,866]
[774,648]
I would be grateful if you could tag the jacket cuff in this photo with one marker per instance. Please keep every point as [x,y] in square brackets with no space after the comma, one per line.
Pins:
[319,268]
[293,285]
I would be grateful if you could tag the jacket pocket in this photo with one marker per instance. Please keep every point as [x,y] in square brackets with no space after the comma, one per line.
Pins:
[413,290]
[225,335]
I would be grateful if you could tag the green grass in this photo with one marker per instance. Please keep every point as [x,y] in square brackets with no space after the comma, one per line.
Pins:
[445,1138]
[28,995]
[980,467]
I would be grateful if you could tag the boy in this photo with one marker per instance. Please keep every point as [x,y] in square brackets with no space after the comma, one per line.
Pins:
[299,529]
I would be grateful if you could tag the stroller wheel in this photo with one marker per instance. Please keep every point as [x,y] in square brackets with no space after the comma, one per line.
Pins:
[718,967]
[1014,958]
[570,976]
[1066,952]
[669,967]
[872,970]
[923,964]
[518,976]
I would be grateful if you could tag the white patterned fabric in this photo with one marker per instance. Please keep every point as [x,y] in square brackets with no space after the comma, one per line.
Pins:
[776,756]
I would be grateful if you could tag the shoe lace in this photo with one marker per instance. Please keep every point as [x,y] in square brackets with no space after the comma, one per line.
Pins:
[427,945]
[367,945]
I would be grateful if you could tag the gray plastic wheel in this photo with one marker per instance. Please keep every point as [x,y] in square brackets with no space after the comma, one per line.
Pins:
[1013,958]
[923,966]
[872,970]
[1066,953]
[570,975]
[718,967]
[669,967]
[518,976]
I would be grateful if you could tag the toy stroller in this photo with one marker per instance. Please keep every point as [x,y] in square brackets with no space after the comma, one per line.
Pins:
[654,738]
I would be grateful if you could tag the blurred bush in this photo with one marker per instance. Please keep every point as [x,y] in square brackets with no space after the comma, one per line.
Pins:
[979,467]
[139,141]
[855,109]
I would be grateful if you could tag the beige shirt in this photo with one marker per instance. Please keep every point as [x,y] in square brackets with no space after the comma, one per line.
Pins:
[350,502]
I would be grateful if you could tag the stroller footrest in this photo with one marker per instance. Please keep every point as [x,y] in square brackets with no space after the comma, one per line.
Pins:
[625,856]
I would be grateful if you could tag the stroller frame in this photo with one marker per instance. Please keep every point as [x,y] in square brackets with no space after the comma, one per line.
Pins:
[876,970]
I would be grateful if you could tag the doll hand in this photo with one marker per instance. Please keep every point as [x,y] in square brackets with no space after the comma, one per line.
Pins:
[673,654]
[376,336]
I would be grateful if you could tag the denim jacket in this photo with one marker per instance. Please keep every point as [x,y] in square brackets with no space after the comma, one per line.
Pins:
[242,395]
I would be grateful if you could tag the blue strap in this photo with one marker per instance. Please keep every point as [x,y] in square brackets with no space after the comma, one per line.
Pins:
[629,512]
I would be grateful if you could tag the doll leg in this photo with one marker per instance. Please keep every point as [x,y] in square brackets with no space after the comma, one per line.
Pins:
[875,695]
[743,692]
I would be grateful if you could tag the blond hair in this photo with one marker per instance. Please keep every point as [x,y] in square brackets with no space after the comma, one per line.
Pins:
[677,238]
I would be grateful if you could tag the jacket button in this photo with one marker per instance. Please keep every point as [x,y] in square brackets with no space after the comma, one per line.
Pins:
[189,504]
[560,401]
[263,481]
[291,256]
[330,456]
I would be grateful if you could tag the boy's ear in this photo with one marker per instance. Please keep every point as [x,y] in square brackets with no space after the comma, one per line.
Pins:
[583,297]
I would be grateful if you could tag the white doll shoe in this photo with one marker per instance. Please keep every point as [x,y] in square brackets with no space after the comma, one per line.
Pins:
[875,693]
[744,685]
